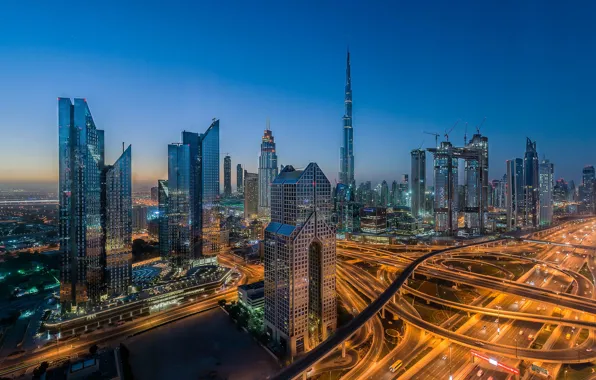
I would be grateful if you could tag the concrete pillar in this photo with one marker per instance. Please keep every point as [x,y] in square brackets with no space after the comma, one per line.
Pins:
[303,375]
[131,313]
[110,320]
[98,324]
[73,331]
[85,327]
[120,316]
[383,312]
[343,349]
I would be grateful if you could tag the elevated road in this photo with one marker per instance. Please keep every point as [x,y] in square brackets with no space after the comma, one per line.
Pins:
[568,245]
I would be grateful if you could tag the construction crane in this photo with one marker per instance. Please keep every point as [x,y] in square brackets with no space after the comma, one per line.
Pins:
[480,125]
[448,132]
[436,137]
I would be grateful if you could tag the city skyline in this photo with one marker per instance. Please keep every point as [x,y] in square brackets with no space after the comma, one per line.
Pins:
[400,89]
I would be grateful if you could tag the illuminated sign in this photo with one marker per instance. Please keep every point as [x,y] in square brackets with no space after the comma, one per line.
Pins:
[495,363]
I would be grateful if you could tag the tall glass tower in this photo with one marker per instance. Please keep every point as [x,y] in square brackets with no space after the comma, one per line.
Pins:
[418,181]
[546,179]
[267,170]
[117,206]
[163,199]
[239,179]
[446,184]
[227,176]
[346,160]
[210,219]
[81,158]
[179,201]
[531,186]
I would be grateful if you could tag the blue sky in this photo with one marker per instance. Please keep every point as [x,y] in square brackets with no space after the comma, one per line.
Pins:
[150,70]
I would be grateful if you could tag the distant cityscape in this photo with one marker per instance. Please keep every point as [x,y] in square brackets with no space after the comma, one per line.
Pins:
[448,274]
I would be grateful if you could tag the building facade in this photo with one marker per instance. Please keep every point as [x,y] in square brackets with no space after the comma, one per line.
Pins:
[227,176]
[446,184]
[418,182]
[117,206]
[239,179]
[267,171]
[587,193]
[251,195]
[514,196]
[346,159]
[546,182]
[300,259]
[475,155]
[180,242]
[163,200]
[531,185]
[95,211]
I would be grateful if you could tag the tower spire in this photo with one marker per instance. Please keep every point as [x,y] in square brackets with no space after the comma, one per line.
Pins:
[346,170]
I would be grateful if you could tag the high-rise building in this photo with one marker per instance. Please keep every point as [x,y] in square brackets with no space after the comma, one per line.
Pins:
[227,176]
[117,206]
[546,176]
[267,170]
[531,185]
[499,191]
[95,209]
[204,191]
[418,182]
[139,218]
[154,194]
[300,295]
[179,206]
[251,195]
[239,179]
[514,196]
[587,190]
[446,189]
[384,194]
[346,160]
[163,200]
[475,155]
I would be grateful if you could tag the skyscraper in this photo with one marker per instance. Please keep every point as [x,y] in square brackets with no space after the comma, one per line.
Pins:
[163,200]
[179,206]
[587,190]
[94,211]
[531,184]
[239,180]
[384,194]
[514,196]
[300,296]
[446,189]
[193,141]
[346,160]
[117,211]
[546,177]
[227,176]
[251,195]
[154,194]
[475,155]
[267,170]
[418,181]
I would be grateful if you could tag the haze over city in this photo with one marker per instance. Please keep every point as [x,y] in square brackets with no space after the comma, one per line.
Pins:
[150,72]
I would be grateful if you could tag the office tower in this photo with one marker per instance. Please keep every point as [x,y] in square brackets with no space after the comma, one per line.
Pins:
[345,210]
[446,186]
[117,206]
[204,191]
[154,194]
[531,185]
[499,191]
[251,195]
[239,179]
[267,170]
[163,200]
[404,193]
[546,175]
[384,194]
[227,176]
[95,207]
[514,196]
[394,193]
[300,296]
[560,191]
[179,205]
[475,155]
[346,160]
[139,218]
[418,182]
[587,188]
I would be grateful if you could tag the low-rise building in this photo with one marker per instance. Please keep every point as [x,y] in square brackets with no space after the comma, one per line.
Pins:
[252,296]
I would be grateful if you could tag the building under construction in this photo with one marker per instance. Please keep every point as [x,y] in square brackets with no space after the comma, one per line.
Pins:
[475,203]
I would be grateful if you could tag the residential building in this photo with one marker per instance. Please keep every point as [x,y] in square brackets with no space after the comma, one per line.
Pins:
[251,195]
[227,176]
[446,197]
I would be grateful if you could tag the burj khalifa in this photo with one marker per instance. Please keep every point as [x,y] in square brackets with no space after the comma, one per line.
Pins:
[346,160]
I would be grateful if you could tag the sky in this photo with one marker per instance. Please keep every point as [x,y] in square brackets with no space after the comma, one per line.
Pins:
[149,71]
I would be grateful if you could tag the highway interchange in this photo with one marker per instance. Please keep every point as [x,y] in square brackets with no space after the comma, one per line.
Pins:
[514,302]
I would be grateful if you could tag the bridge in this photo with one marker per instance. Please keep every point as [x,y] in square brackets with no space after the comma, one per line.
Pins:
[568,245]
